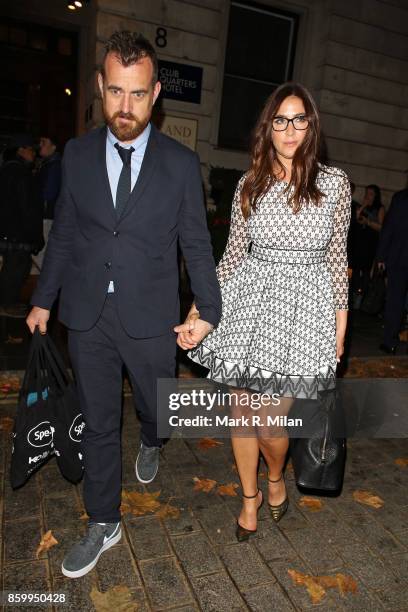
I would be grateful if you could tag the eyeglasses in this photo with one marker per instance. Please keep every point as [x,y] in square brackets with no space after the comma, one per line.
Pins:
[280,124]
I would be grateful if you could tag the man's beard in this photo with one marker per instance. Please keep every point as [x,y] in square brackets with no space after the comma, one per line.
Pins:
[125,133]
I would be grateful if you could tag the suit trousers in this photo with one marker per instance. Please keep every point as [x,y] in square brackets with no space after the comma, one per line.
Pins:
[397,287]
[98,356]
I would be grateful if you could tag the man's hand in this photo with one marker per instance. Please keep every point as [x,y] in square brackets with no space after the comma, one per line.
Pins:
[192,331]
[38,316]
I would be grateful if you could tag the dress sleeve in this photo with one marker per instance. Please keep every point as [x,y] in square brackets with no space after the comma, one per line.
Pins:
[337,248]
[238,240]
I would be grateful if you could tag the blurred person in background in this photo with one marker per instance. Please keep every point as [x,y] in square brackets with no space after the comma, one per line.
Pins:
[20,222]
[50,173]
[366,231]
[392,255]
[49,176]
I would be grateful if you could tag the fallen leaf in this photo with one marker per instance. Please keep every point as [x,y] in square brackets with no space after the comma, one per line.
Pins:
[84,517]
[205,443]
[385,367]
[311,503]
[167,511]
[139,503]
[403,336]
[118,598]
[402,461]
[316,592]
[6,424]
[46,542]
[316,585]
[368,498]
[228,489]
[9,384]
[204,484]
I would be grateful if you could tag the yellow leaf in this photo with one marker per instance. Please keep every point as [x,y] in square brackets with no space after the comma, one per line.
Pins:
[139,503]
[228,489]
[311,503]
[46,542]
[204,484]
[315,590]
[316,585]
[402,461]
[167,511]
[205,443]
[6,424]
[84,517]
[368,498]
[119,598]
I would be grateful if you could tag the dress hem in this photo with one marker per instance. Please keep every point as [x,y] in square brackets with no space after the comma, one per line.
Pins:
[260,380]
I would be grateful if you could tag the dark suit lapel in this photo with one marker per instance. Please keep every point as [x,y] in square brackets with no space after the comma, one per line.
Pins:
[145,174]
[102,177]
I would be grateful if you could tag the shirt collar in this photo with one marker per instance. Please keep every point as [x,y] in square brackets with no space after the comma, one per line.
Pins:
[138,143]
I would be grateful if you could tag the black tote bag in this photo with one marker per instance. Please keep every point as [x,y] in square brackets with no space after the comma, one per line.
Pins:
[33,435]
[66,416]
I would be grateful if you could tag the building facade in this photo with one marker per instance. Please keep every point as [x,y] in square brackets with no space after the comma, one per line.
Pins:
[352,54]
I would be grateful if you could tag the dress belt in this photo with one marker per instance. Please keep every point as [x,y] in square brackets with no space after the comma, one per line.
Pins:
[288,256]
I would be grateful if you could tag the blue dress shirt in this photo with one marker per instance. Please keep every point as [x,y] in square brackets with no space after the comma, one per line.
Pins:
[114,163]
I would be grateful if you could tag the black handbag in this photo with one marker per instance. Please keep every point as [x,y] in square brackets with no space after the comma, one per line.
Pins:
[373,300]
[33,435]
[319,459]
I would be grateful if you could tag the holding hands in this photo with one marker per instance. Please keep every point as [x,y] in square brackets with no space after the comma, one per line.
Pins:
[193,330]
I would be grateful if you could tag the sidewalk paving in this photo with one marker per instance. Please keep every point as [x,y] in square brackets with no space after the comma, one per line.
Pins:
[193,561]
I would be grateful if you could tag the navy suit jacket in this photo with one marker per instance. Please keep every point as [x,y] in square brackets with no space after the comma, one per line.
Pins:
[393,244]
[89,245]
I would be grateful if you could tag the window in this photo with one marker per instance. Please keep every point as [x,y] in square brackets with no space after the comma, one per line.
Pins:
[259,57]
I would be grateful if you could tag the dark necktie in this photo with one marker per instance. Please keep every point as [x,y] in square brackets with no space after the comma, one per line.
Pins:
[125,181]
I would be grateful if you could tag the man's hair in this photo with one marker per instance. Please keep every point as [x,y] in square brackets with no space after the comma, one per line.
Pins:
[130,47]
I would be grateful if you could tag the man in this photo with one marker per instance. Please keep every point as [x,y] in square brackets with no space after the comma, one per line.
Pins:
[20,222]
[392,255]
[129,194]
[49,176]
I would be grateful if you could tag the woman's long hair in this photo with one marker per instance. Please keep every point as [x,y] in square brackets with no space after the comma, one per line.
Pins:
[264,159]
[377,202]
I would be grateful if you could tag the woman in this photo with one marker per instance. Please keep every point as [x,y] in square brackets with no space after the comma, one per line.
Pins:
[370,218]
[284,301]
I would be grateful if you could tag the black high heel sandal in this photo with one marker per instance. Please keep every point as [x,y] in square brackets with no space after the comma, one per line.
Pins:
[242,533]
[278,511]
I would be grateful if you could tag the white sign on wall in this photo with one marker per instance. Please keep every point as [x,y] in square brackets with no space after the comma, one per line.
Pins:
[181,129]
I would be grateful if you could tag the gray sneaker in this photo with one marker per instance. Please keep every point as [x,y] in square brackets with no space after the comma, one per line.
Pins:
[84,555]
[147,463]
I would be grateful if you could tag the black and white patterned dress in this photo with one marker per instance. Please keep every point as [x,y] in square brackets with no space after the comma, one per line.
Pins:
[282,277]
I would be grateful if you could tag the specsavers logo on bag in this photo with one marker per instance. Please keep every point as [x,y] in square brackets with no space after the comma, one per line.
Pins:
[41,435]
[77,427]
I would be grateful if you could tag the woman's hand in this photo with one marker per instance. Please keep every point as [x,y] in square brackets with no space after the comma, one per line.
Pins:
[192,331]
[341,326]
[186,330]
